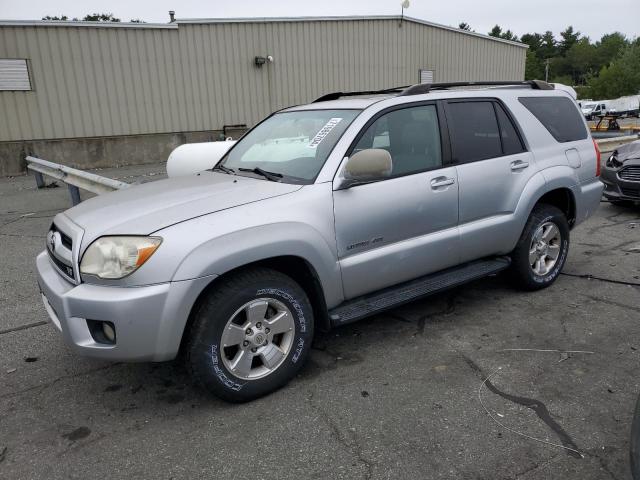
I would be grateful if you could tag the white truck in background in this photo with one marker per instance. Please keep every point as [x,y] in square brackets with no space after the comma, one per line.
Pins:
[623,106]
[629,105]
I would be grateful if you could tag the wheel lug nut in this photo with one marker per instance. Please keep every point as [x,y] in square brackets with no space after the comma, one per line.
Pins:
[249,331]
[245,343]
[254,349]
[258,325]
[266,330]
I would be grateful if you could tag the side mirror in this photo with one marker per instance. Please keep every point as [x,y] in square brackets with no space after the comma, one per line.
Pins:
[367,166]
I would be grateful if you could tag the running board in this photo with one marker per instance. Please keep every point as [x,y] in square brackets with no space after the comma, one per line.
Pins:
[361,307]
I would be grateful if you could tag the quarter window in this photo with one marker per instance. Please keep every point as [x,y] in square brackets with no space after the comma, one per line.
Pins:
[412,137]
[559,115]
[474,131]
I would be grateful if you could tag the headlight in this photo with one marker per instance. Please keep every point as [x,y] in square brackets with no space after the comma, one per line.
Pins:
[117,257]
[613,162]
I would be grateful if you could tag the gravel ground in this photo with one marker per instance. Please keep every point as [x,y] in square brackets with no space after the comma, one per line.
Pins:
[400,395]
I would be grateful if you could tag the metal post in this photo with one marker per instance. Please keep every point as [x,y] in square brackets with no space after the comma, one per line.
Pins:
[39,180]
[75,194]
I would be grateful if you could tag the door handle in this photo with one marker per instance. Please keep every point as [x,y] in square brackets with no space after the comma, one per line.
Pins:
[441,182]
[518,165]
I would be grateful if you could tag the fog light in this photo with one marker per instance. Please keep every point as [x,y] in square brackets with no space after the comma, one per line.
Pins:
[109,332]
[102,332]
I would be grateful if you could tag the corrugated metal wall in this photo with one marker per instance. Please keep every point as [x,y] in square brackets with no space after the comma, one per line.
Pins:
[90,81]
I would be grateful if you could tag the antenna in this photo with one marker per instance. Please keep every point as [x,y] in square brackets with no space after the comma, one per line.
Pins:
[404,4]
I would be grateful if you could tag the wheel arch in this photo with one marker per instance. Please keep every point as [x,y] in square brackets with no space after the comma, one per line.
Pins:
[563,199]
[295,267]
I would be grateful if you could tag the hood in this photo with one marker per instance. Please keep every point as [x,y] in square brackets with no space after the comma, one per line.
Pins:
[144,209]
[629,151]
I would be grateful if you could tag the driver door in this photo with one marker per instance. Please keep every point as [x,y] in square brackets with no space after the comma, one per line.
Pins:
[405,226]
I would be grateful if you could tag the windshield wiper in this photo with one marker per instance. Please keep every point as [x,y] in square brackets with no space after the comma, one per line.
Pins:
[273,176]
[224,169]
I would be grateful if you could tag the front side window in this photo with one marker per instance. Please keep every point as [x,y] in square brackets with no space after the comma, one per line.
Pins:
[412,137]
[292,145]
[474,131]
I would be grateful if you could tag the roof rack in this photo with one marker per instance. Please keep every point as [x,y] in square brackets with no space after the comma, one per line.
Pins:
[337,95]
[427,87]
[422,88]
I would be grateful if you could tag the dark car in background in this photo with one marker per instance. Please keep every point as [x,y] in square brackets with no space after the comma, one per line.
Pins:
[621,174]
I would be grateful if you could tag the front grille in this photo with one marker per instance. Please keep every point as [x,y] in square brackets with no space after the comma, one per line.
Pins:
[64,267]
[631,174]
[66,239]
[630,192]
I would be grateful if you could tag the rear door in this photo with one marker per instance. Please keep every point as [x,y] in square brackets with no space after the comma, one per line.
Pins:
[493,168]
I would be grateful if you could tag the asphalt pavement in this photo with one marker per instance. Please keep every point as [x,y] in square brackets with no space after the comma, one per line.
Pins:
[481,382]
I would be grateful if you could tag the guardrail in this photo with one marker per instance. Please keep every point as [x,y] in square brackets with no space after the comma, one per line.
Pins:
[79,179]
[607,145]
[74,178]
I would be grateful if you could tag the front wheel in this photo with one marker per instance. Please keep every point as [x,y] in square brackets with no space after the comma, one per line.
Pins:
[542,249]
[251,335]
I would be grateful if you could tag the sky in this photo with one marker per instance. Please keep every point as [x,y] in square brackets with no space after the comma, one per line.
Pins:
[591,17]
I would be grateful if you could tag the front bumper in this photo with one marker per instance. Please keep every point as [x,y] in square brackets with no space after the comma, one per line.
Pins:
[149,320]
[617,189]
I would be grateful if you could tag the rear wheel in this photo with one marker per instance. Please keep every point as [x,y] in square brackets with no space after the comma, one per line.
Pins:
[542,249]
[251,335]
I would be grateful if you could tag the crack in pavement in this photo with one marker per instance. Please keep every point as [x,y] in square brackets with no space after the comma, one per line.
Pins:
[539,408]
[23,327]
[43,387]
[603,463]
[536,466]
[352,446]
[588,276]
[613,303]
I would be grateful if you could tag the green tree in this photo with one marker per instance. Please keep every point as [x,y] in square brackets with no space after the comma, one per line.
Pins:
[549,46]
[100,17]
[534,67]
[581,60]
[569,38]
[621,77]
[609,48]
[464,26]
[61,17]
[496,32]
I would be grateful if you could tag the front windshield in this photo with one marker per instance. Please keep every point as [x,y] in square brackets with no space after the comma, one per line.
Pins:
[294,145]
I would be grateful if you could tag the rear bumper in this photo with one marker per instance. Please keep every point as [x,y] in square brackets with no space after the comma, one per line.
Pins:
[149,320]
[588,195]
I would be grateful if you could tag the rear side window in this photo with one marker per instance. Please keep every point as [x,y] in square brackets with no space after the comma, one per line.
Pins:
[511,143]
[474,131]
[559,115]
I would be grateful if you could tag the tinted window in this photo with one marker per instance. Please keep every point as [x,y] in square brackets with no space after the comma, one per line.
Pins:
[559,115]
[410,135]
[474,131]
[511,143]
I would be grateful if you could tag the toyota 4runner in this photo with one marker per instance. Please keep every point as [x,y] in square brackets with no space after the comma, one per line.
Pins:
[321,215]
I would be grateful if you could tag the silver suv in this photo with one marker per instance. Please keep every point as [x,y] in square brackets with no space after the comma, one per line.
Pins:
[319,216]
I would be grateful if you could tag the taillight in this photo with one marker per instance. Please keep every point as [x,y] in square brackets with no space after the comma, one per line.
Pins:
[598,166]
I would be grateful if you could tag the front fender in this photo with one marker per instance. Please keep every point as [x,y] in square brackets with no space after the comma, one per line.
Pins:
[242,247]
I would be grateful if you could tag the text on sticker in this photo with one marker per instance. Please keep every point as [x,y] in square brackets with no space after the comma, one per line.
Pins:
[324,131]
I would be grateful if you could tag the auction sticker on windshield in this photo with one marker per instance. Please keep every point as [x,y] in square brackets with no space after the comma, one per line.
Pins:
[324,131]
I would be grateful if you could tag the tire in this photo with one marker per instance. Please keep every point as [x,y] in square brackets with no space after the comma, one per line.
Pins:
[525,269]
[250,301]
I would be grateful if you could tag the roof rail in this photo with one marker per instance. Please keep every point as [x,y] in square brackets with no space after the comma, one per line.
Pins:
[421,88]
[337,95]
[427,87]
